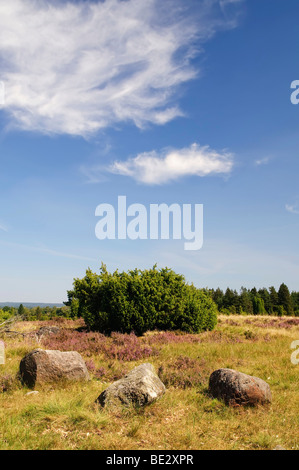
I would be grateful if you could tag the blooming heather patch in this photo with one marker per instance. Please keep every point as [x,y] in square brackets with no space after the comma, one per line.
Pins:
[100,372]
[126,347]
[274,323]
[6,382]
[122,347]
[184,372]
[91,367]
[289,323]
[71,340]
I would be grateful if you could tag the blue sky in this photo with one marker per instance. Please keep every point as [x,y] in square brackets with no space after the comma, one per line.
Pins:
[107,98]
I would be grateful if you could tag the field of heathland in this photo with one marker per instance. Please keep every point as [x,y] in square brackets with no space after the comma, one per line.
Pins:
[186,417]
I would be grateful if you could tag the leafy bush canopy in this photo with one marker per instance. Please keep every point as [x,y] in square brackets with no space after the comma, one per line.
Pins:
[140,301]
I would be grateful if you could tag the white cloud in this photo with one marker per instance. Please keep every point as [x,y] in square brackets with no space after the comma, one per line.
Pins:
[262,161]
[225,3]
[292,208]
[77,67]
[153,168]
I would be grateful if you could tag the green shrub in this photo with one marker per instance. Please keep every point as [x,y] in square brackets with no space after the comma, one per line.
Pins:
[140,301]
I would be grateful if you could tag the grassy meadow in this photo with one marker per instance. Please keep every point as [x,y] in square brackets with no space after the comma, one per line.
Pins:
[185,418]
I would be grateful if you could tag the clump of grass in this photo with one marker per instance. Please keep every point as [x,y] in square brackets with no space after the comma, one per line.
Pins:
[251,335]
[174,337]
[115,370]
[184,372]
[7,382]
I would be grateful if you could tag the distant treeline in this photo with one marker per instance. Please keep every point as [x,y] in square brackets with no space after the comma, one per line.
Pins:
[30,304]
[34,313]
[257,302]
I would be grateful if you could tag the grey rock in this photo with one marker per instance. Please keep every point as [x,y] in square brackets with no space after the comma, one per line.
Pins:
[140,387]
[236,388]
[42,366]
[279,448]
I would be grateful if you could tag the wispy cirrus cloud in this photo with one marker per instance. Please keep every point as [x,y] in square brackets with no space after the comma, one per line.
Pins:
[262,161]
[78,67]
[158,168]
[3,227]
[46,251]
[293,208]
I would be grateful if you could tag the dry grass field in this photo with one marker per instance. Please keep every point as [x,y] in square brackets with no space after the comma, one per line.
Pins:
[185,418]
